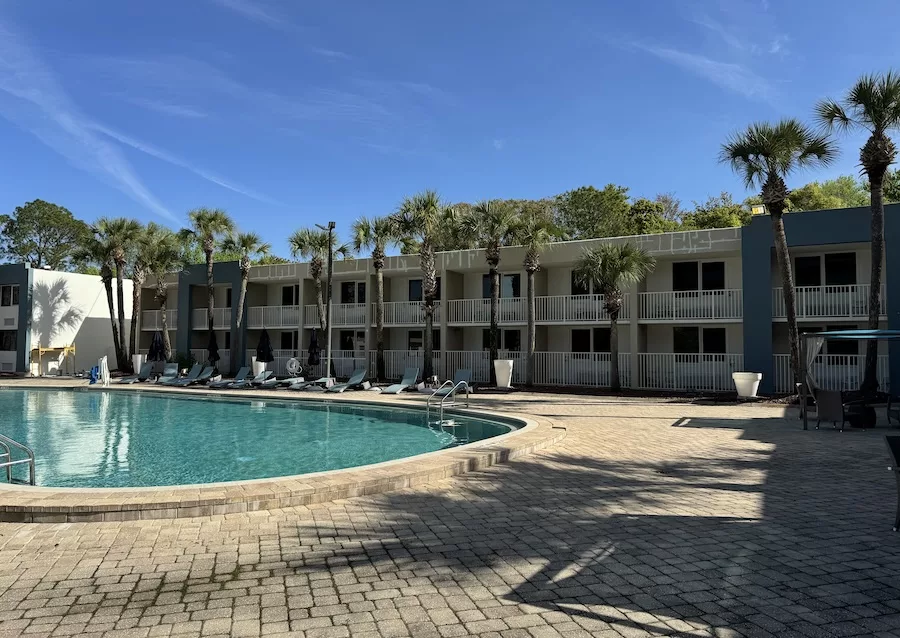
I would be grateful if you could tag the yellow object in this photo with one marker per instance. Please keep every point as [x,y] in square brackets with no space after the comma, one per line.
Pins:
[758,209]
[62,357]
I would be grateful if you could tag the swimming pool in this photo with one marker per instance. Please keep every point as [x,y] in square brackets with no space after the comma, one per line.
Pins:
[139,439]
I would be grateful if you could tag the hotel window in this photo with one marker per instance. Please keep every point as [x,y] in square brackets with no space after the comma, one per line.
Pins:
[9,295]
[840,269]
[510,286]
[714,341]
[512,340]
[290,295]
[713,275]
[579,288]
[289,340]
[602,340]
[581,340]
[415,290]
[228,341]
[228,297]
[847,347]
[353,292]
[685,276]
[9,340]
[415,340]
[686,340]
[807,271]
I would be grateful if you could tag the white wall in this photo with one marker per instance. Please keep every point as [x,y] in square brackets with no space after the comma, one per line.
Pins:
[71,309]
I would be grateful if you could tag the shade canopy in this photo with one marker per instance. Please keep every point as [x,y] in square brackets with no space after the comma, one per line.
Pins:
[157,351]
[264,352]
[857,335]
[314,353]
[213,348]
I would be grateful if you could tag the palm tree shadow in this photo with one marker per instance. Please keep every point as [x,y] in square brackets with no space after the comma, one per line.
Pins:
[53,312]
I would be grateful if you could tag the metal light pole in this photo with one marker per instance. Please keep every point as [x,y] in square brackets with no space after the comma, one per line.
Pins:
[330,230]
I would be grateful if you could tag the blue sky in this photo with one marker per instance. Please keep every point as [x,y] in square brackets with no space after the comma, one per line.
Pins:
[291,113]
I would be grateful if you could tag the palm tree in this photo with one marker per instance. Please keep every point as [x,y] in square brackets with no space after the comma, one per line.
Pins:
[313,244]
[209,225]
[873,105]
[764,155]
[248,246]
[376,235]
[120,234]
[534,231]
[166,256]
[97,251]
[489,225]
[610,268]
[419,219]
[141,249]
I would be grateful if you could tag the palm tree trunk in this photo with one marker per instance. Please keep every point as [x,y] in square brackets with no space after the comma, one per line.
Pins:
[495,321]
[429,283]
[238,340]
[876,181]
[615,383]
[210,300]
[117,345]
[529,360]
[138,281]
[783,257]
[320,305]
[379,324]
[163,296]
[120,297]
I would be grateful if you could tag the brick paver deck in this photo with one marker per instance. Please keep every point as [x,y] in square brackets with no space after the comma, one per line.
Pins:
[649,518]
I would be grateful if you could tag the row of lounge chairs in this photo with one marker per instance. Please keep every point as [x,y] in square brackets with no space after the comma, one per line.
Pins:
[199,375]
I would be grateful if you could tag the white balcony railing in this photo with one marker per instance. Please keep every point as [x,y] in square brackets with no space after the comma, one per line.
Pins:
[575,309]
[406,313]
[691,304]
[478,311]
[829,301]
[152,319]
[273,317]
[832,372]
[223,365]
[479,362]
[688,372]
[397,361]
[342,314]
[221,319]
[578,368]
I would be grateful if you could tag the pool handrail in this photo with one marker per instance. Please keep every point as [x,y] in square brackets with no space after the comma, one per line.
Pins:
[6,444]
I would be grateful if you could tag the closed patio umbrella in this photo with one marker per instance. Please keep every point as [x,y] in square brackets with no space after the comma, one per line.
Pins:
[157,351]
[264,352]
[213,349]
[314,354]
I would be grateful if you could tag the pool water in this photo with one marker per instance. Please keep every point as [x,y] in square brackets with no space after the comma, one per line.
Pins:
[130,439]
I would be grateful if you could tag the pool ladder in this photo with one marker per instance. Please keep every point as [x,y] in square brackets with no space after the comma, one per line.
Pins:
[7,445]
[441,400]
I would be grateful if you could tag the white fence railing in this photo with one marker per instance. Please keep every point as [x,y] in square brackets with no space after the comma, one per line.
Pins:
[479,362]
[688,372]
[201,355]
[829,301]
[692,304]
[512,310]
[578,368]
[832,372]
[575,309]
[273,317]
[221,319]
[397,361]
[342,314]
[401,313]
[152,319]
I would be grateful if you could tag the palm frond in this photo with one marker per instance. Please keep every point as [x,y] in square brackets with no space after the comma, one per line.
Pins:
[833,116]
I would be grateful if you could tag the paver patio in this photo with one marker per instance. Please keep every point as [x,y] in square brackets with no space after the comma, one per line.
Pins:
[649,518]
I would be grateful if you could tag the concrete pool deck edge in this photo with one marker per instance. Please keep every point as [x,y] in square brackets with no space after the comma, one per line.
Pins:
[20,503]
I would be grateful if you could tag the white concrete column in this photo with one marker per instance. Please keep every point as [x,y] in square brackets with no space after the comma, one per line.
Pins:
[443,324]
[634,306]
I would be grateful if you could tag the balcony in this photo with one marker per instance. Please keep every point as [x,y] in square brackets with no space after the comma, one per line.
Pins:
[832,372]
[273,317]
[221,319]
[406,313]
[152,319]
[342,314]
[478,311]
[818,302]
[569,309]
[688,372]
[589,369]
[692,305]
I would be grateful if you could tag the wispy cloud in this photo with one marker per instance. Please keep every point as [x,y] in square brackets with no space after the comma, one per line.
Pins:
[166,108]
[732,77]
[255,11]
[160,154]
[330,53]
[32,98]
[498,144]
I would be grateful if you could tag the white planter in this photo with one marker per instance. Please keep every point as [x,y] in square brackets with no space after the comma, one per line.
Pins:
[258,366]
[746,383]
[137,360]
[503,369]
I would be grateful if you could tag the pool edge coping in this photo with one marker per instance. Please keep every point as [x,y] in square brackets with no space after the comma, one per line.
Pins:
[62,505]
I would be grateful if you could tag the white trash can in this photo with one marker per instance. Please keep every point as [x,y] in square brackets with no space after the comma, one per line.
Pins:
[503,369]
[746,383]
[137,360]
[258,366]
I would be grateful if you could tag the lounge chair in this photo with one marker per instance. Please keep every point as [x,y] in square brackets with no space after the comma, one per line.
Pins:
[193,374]
[144,374]
[306,385]
[354,382]
[830,407]
[463,375]
[170,372]
[224,383]
[290,383]
[409,379]
[248,383]
[203,377]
